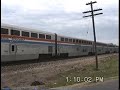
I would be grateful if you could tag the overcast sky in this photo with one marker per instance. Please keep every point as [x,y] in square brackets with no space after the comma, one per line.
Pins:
[64,17]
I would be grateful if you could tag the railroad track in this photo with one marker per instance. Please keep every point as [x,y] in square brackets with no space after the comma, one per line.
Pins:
[30,66]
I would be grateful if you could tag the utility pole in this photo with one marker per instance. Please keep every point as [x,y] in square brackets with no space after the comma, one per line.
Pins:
[92,14]
[55,45]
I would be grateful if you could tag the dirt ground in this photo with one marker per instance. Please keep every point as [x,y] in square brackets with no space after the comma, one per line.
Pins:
[23,75]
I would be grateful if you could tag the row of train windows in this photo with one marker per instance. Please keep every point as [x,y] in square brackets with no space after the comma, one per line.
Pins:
[101,44]
[16,32]
[75,41]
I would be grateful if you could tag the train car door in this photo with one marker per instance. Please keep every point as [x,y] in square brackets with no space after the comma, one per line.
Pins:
[13,48]
[13,51]
[58,50]
[50,49]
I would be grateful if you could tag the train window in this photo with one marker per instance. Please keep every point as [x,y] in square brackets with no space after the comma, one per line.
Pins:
[66,39]
[13,47]
[15,32]
[86,42]
[34,35]
[25,33]
[62,39]
[73,40]
[48,37]
[50,48]
[70,40]
[79,41]
[4,31]
[89,43]
[82,41]
[76,41]
[41,36]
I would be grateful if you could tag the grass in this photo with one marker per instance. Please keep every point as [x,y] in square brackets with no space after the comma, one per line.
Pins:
[107,68]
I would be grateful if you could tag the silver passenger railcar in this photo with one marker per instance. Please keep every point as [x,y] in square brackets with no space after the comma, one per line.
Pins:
[26,44]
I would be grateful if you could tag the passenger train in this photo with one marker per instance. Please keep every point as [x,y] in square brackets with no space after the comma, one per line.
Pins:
[18,43]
